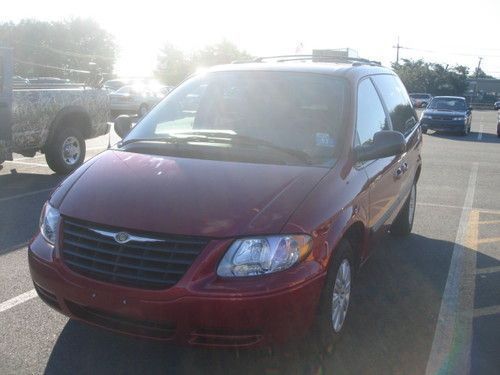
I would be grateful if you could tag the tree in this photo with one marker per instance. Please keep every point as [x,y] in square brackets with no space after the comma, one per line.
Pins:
[174,66]
[479,73]
[56,48]
[436,79]
[224,52]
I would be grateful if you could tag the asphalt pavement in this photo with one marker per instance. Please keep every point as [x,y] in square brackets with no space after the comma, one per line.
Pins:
[425,304]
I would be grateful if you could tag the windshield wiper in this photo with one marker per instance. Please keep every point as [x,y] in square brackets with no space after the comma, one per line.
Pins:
[163,139]
[246,140]
[216,137]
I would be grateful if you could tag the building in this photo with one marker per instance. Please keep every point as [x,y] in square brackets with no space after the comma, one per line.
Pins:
[486,90]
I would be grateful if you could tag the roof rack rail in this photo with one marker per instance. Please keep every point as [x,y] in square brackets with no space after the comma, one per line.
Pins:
[334,59]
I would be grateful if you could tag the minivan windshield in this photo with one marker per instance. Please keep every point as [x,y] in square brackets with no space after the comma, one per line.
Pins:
[447,104]
[270,117]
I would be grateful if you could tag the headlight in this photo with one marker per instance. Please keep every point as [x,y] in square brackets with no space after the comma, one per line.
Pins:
[426,117]
[49,221]
[263,255]
[458,118]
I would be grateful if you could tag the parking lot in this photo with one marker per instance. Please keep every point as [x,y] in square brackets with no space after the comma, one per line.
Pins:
[425,304]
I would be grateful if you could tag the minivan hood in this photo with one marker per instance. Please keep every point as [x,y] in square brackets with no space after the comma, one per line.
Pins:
[187,196]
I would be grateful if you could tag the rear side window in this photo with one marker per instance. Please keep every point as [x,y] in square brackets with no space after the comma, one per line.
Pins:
[371,116]
[397,102]
[1,74]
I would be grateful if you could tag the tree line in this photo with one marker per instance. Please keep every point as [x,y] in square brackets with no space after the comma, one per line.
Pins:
[436,79]
[63,48]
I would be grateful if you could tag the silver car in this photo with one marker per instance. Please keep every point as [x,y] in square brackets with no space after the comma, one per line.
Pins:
[136,100]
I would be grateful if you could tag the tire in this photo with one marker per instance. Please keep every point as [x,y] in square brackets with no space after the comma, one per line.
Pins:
[326,330]
[66,150]
[143,110]
[424,130]
[403,224]
[464,132]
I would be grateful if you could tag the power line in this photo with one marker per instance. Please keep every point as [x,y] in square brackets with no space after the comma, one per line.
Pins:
[52,67]
[67,53]
[448,53]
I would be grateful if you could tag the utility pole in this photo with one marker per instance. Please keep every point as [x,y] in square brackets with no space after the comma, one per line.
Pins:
[398,47]
[477,75]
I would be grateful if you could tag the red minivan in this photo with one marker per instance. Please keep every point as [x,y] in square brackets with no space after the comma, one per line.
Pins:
[237,212]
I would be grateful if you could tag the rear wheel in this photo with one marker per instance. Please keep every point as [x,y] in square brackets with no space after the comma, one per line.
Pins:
[403,224]
[335,298]
[66,150]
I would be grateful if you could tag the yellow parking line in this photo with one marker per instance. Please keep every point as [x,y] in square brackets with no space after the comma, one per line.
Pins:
[472,234]
[487,211]
[485,311]
[489,222]
[481,271]
[489,240]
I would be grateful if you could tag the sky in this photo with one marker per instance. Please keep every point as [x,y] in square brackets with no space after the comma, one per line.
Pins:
[442,31]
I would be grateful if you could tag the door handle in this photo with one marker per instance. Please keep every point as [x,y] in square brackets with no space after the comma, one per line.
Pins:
[401,170]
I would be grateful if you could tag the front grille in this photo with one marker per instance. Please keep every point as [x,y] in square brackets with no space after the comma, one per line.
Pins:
[441,118]
[148,261]
[224,338]
[121,323]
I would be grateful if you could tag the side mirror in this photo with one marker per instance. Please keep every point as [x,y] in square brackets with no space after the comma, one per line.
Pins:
[385,143]
[123,125]
[424,105]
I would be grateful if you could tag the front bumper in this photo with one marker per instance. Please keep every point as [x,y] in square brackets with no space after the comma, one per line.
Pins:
[208,311]
[443,125]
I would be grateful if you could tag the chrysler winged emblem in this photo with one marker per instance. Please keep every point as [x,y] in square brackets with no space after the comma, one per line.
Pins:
[122,237]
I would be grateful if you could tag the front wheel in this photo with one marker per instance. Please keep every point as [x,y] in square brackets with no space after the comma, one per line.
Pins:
[403,224]
[335,298]
[66,150]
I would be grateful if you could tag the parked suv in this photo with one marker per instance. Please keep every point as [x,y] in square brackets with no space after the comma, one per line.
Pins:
[239,219]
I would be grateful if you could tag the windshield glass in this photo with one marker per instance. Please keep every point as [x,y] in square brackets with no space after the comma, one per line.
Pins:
[447,104]
[279,112]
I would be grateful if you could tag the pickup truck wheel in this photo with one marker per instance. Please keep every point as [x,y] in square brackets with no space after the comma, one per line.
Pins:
[66,151]
[403,224]
[335,298]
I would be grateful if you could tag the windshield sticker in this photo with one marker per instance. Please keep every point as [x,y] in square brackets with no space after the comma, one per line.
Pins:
[324,140]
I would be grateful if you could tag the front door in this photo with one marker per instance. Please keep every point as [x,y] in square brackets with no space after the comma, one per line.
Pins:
[385,182]
[5,96]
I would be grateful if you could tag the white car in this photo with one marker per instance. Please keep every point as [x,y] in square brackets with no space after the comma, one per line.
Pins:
[136,100]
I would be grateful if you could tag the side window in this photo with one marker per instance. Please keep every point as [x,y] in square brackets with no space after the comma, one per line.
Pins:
[397,102]
[371,116]
[1,74]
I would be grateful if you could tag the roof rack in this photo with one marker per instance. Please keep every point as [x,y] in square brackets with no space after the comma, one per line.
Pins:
[356,61]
